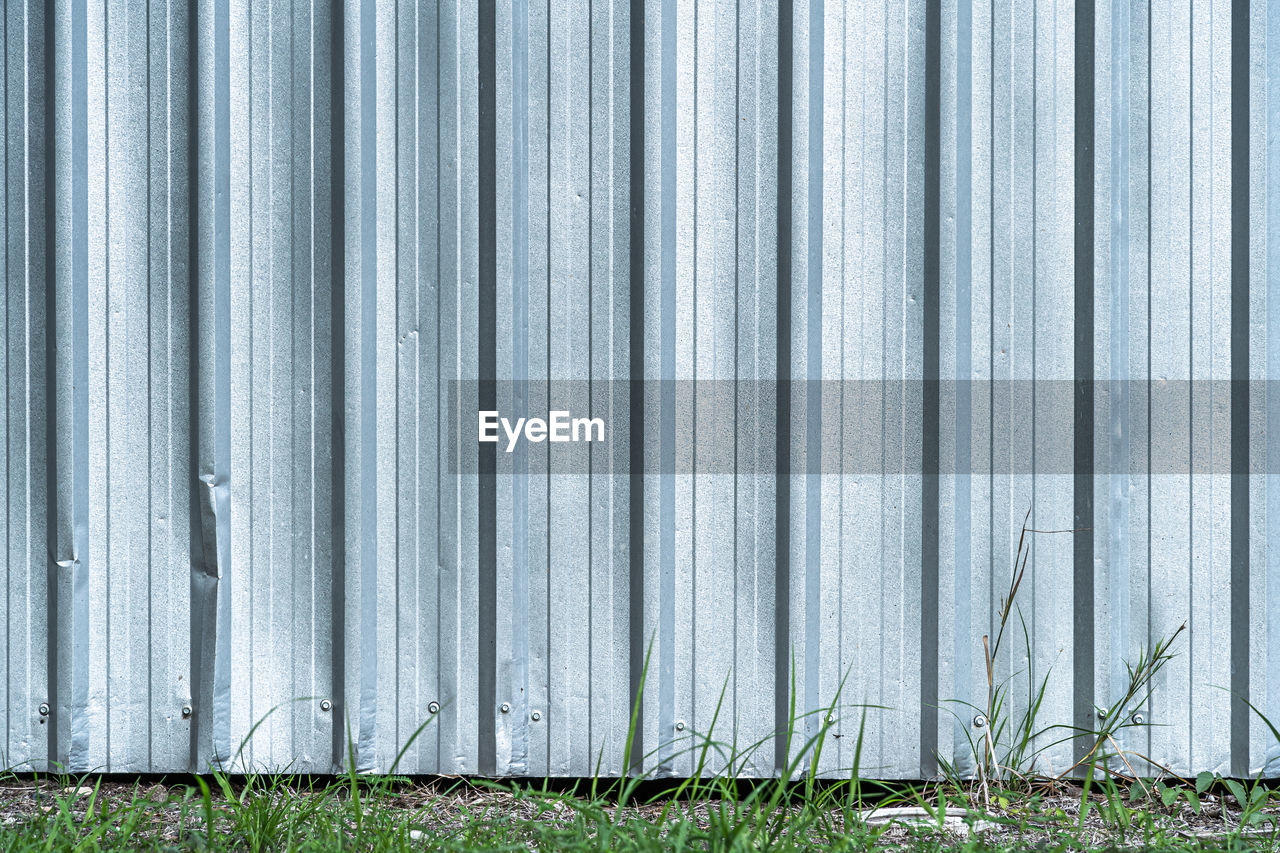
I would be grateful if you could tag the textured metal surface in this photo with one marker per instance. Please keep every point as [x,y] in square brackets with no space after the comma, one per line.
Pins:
[252,250]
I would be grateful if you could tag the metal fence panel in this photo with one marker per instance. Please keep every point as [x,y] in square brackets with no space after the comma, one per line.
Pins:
[264,261]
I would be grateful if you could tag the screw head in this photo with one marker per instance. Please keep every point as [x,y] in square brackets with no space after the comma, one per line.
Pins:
[326,705]
[186,711]
[831,718]
[535,716]
[1102,713]
[1138,719]
[433,708]
[679,725]
[979,721]
[506,708]
[44,709]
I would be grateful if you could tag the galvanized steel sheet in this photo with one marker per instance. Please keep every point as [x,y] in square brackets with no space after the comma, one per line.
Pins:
[914,270]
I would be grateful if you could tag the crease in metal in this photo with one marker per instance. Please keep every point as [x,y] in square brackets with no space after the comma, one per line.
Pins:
[211,387]
[70,559]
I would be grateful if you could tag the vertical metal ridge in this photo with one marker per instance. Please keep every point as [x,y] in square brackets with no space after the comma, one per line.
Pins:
[813,371]
[221,413]
[930,435]
[68,368]
[366,746]
[487,318]
[337,380]
[1271,271]
[1083,581]
[47,232]
[782,448]
[962,520]
[1118,509]
[1240,387]
[166,642]
[634,762]
[666,378]
[199,695]
[519,680]
[211,384]
[6,451]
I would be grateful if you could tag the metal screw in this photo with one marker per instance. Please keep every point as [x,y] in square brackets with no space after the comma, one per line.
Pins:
[680,725]
[433,708]
[44,709]
[326,705]
[505,708]
[979,721]
[1138,719]
[535,716]
[186,711]
[831,718]
[1102,713]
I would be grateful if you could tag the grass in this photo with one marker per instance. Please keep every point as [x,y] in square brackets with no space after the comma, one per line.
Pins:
[1008,802]
[292,813]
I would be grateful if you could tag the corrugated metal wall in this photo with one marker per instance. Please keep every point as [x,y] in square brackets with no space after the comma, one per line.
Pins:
[253,251]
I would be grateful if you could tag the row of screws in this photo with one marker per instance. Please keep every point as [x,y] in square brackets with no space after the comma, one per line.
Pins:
[979,721]
[533,715]
[186,710]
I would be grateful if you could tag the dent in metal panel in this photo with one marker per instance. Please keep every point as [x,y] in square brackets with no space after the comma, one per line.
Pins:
[212,573]
[69,552]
